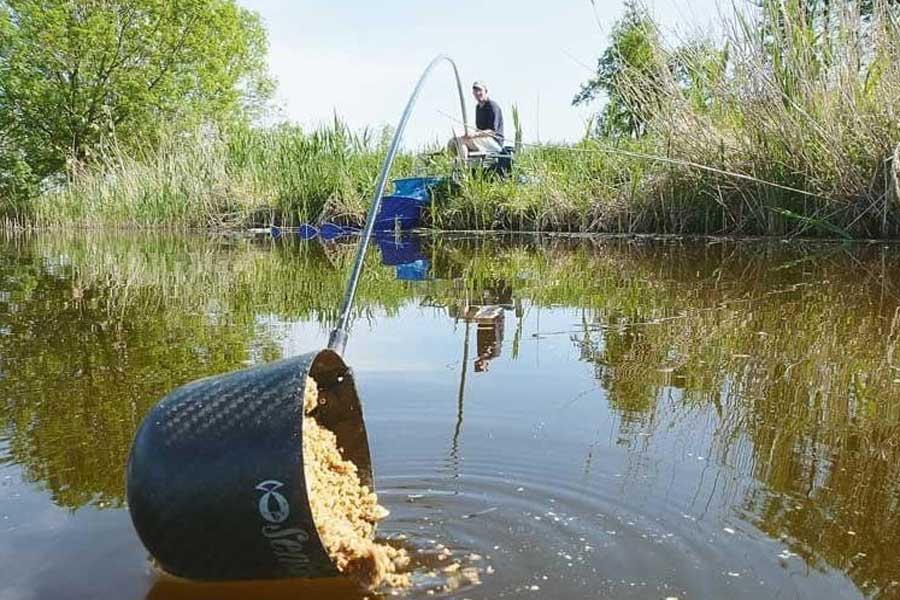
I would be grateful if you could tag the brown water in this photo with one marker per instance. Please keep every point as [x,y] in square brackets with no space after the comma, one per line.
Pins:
[647,419]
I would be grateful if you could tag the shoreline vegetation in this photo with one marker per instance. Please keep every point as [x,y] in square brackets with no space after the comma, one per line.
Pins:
[789,125]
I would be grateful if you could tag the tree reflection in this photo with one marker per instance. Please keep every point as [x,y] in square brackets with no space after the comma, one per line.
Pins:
[82,367]
[94,332]
[798,361]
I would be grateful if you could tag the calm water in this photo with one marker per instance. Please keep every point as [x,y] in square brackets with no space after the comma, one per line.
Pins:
[645,420]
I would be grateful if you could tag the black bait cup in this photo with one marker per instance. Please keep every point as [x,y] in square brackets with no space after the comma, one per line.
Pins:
[215,479]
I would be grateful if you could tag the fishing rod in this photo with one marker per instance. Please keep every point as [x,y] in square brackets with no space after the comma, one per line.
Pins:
[215,478]
[337,341]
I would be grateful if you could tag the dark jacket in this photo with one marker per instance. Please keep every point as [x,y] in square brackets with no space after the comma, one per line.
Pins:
[489,116]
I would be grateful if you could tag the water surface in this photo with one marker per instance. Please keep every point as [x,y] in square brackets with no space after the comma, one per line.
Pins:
[623,418]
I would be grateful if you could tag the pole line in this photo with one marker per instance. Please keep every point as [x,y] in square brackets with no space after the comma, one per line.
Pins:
[600,149]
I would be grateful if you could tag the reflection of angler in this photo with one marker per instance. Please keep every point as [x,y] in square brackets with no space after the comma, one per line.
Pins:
[490,333]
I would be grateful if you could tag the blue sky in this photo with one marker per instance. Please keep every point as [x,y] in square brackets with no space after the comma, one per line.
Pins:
[362,59]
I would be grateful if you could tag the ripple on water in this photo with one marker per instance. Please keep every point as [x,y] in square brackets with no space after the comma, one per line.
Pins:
[538,529]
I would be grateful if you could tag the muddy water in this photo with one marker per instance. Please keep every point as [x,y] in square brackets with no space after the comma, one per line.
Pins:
[612,419]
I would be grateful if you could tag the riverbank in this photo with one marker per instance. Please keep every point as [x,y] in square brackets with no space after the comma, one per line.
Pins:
[790,128]
[250,178]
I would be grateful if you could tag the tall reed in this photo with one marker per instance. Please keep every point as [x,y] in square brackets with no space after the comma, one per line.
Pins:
[783,129]
[212,178]
[806,100]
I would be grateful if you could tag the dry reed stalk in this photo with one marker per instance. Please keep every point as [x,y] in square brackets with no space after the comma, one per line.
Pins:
[895,176]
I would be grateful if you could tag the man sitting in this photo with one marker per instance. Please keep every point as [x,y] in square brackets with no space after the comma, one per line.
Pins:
[488,135]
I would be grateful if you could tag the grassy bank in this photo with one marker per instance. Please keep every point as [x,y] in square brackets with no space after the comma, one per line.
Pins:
[220,178]
[787,127]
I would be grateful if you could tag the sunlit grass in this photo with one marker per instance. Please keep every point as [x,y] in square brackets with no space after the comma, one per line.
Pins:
[220,179]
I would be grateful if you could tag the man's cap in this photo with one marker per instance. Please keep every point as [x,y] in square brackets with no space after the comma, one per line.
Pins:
[480,85]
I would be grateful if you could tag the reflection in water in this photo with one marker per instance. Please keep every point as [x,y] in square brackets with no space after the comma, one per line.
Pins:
[338,589]
[489,320]
[782,357]
[460,399]
[404,252]
[798,359]
[86,357]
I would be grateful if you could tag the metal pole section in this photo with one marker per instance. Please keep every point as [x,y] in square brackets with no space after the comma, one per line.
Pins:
[462,98]
[337,341]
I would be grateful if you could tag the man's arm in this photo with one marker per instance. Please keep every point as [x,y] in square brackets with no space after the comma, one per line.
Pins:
[497,120]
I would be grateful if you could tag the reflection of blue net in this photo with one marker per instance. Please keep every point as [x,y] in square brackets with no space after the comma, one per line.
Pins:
[331,231]
[398,250]
[405,253]
[403,208]
[414,271]
[307,232]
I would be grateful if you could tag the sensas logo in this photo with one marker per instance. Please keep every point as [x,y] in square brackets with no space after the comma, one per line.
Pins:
[273,507]
[287,544]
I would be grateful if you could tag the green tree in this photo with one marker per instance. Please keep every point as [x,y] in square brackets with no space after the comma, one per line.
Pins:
[75,74]
[637,76]
[699,68]
[626,75]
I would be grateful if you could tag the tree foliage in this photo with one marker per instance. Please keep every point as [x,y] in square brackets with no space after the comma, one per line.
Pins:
[637,75]
[698,68]
[77,73]
[629,61]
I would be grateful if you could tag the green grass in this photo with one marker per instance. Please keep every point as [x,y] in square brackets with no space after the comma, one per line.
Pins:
[791,138]
[221,179]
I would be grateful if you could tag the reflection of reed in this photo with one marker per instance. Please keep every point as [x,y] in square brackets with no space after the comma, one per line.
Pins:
[797,364]
[240,276]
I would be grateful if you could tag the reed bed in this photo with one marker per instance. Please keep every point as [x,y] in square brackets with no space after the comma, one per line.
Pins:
[221,178]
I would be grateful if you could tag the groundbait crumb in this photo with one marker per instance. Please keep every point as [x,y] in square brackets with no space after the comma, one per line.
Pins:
[344,510]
